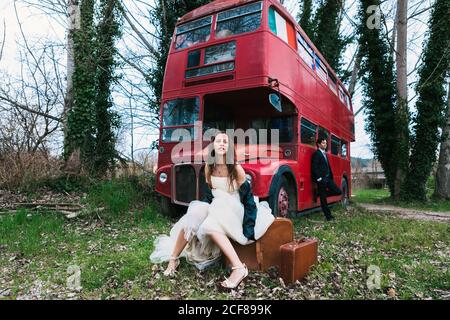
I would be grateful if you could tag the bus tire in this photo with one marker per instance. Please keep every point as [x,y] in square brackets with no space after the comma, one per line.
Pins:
[345,196]
[170,209]
[282,201]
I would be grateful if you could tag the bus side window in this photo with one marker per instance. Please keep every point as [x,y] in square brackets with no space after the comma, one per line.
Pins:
[305,51]
[335,144]
[343,149]
[308,132]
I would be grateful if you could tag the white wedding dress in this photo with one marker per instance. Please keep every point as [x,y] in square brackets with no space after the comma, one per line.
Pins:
[224,214]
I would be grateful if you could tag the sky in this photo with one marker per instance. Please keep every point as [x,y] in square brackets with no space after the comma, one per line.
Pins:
[39,27]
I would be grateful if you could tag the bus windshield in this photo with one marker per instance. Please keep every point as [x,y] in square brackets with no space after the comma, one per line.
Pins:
[180,112]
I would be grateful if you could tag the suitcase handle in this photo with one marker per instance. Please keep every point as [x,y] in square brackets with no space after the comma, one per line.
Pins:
[302,239]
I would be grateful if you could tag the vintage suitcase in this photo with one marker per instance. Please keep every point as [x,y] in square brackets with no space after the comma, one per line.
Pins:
[297,257]
[265,252]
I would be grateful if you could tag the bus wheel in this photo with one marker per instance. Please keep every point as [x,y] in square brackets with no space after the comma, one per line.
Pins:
[283,200]
[170,209]
[345,196]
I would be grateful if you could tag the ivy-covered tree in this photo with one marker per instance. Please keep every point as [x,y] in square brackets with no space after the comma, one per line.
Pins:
[327,36]
[164,17]
[107,120]
[379,90]
[91,121]
[81,118]
[305,18]
[442,184]
[430,103]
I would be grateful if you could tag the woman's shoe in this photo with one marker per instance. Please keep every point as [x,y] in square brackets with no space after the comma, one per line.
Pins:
[227,284]
[170,271]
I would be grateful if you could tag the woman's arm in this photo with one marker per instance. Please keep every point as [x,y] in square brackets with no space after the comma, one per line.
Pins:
[207,193]
[240,175]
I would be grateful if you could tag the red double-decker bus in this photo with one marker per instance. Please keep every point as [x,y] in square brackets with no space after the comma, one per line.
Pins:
[246,64]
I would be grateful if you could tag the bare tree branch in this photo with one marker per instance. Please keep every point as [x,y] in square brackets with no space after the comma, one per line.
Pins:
[3,41]
[26,108]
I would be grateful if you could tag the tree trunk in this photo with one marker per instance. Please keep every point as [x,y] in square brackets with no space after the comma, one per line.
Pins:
[355,73]
[442,189]
[395,28]
[74,16]
[402,98]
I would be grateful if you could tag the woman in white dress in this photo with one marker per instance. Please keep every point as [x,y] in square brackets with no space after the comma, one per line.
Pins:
[229,210]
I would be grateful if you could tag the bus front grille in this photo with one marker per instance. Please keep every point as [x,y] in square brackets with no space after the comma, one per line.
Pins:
[185,183]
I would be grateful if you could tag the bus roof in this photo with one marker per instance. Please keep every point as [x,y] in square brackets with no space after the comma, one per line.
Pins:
[219,5]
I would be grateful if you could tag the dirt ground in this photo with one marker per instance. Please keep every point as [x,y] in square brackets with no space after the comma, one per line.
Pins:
[409,213]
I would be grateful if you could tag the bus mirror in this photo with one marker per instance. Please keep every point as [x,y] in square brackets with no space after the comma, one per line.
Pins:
[275,101]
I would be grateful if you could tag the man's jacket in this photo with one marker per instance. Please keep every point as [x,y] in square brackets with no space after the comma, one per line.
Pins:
[250,210]
[319,166]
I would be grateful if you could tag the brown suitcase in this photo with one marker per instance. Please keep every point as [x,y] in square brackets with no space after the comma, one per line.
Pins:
[265,252]
[297,257]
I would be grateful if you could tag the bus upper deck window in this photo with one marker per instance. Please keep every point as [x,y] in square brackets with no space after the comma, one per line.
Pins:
[305,51]
[341,95]
[221,52]
[239,20]
[332,83]
[321,70]
[192,33]
[282,28]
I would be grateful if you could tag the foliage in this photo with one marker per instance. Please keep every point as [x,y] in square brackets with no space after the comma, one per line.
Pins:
[64,183]
[305,17]
[379,94]
[120,196]
[108,30]
[91,122]
[81,118]
[327,36]
[430,103]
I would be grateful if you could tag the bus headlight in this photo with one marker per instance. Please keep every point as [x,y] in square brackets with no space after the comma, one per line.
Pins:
[163,177]
[248,177]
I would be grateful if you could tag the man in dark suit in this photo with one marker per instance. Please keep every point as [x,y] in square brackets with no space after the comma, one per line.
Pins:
[323,176]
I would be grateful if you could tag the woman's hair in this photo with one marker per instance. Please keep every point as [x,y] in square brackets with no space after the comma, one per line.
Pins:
[230,160]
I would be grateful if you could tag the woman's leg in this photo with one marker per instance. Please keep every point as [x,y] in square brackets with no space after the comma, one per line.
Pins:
[225,246]
[179,246]
[195,215]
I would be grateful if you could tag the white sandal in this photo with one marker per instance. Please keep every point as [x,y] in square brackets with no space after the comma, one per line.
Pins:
[227,284]
[171,271]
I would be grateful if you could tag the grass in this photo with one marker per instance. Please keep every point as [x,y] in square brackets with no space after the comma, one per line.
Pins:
[112,248]
[381,196]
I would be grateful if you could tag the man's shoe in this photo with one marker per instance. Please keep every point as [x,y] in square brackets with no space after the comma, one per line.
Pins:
[330,217]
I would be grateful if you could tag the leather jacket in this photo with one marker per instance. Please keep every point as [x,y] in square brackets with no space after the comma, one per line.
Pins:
[250,210]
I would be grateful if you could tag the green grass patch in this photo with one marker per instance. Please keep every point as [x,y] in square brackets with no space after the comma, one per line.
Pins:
[120,196]
[381,196]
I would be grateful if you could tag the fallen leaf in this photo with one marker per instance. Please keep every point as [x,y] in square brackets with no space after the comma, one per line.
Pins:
[391,292]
